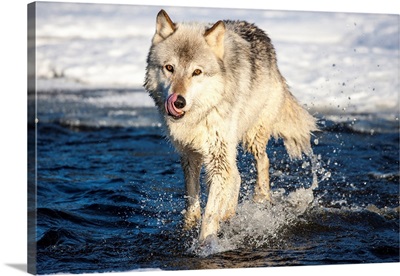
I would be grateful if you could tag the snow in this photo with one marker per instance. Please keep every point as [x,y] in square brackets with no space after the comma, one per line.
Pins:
[333,62]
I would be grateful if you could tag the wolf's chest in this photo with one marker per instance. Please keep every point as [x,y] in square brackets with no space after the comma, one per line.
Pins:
[203,136]
[193,137]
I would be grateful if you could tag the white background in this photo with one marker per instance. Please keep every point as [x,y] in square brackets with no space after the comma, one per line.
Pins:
[13,66]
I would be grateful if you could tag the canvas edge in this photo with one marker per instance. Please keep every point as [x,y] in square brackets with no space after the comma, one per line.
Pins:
[31,139]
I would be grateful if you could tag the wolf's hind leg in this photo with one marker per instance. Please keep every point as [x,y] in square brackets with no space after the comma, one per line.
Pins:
[191,164]
[262,191]
[256,142]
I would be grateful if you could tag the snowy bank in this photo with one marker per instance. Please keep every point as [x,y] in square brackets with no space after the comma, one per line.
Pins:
[333,62]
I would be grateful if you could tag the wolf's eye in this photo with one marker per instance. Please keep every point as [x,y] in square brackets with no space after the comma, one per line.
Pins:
[196,72]
[169,68]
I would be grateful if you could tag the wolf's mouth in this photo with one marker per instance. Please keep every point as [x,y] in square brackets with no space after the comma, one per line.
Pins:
[171,107]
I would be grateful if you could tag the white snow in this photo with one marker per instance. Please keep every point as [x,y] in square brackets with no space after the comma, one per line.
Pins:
[333,62]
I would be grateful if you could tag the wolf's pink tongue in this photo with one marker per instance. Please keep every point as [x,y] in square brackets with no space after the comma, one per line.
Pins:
[170,107]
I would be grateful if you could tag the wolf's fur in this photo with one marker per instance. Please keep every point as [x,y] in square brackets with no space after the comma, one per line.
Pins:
[239,96]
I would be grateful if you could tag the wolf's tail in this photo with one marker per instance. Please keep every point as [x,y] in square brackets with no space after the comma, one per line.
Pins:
[295,126]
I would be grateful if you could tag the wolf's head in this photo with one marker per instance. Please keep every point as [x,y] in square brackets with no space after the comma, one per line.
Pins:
[185,68]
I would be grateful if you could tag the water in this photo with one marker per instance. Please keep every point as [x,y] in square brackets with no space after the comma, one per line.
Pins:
[110,193]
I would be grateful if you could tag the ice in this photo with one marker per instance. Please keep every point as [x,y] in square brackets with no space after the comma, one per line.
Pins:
[334,62]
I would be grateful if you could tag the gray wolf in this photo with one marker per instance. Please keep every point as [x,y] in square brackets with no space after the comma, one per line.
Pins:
[217,86]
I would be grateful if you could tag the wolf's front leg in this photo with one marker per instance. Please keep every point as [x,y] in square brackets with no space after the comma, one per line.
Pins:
[191,164]
[224,183]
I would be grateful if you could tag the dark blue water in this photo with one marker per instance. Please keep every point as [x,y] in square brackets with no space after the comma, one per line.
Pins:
[110,193]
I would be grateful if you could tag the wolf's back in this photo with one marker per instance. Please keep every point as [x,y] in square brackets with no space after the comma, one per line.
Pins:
[262,51]
[291,122]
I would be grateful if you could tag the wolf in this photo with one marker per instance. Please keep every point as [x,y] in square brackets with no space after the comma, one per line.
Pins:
[218,86]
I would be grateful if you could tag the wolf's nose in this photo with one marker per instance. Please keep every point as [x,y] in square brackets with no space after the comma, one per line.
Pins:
[180,102]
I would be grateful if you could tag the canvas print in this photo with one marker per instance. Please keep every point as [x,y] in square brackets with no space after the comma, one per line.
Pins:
[177,138]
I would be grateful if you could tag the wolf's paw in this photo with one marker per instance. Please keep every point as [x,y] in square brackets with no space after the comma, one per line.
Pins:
[208,246]
[190,223]
[191,218]
[262,198]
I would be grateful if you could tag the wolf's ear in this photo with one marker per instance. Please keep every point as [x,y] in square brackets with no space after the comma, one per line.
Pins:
[164,27]
[215,38]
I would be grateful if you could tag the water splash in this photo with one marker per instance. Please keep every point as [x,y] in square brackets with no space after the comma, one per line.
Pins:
[256,224]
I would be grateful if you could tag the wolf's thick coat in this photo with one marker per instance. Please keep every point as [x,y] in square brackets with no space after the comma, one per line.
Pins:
[233,93]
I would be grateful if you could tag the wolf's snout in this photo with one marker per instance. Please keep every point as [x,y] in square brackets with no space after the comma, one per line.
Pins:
[174,105]
[180,102]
